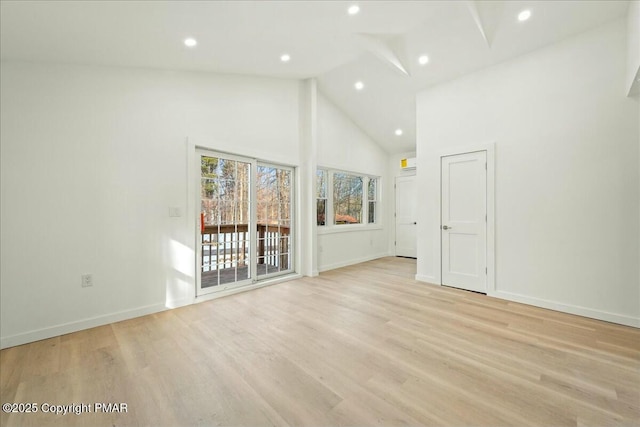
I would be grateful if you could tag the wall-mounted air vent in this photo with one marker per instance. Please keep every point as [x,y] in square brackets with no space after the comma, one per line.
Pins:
[408,164]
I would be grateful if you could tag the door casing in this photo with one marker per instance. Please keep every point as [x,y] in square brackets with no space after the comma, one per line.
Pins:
[402,222]
[490,230]
[463,221]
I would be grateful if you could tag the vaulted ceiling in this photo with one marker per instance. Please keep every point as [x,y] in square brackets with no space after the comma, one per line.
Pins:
[378,46]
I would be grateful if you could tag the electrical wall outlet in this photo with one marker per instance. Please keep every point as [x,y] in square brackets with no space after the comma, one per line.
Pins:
[86,280]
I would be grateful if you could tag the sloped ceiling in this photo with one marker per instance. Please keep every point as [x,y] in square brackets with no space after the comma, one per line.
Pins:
[378,46]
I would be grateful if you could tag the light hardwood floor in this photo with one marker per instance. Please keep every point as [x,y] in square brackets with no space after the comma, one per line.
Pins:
[363,345]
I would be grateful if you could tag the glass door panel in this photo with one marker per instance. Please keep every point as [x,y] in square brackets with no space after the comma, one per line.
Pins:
[274,201]
[245,221]
[225,239]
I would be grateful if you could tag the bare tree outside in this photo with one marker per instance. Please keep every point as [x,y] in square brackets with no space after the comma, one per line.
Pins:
[273,192]
[347,198]
[226,212]
[321,197]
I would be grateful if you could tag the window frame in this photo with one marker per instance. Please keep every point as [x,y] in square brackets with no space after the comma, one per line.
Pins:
[375,200]
[330,226]
[325,198]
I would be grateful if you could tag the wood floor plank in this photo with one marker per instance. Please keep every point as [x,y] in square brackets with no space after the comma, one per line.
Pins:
[357,346]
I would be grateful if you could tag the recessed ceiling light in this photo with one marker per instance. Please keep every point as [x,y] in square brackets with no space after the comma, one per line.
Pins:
[285,57]
[398,132]
[359,85]
[423,60]
[353,10]
[524,15]
[190,42]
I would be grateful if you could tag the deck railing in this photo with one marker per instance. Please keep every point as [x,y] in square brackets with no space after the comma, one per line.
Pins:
[227,246]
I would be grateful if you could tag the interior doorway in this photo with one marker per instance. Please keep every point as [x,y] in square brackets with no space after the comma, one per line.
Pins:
[406,216]
[463,229]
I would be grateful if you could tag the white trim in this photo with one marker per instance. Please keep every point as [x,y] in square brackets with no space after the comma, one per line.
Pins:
[176,303]
[395,213]
[490,149]
[552,305]
[236,290]
[66,328]
[330,226]
[253,232]
[341,228]
[341,168]
[293,232]
[193,211]
[351,262]
[200,291]
[305,214]
[427,279]
[453,151]
[568,308]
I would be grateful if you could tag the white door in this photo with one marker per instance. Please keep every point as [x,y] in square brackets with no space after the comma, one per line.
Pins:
[406,217]
[464,227]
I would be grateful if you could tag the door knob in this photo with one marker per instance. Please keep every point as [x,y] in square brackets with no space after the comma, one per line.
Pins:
[446,227]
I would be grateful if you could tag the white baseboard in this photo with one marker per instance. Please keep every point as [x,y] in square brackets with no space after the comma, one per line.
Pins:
[568,308]
[171,304]
[553,305]
[427,279]
[351,262]
[66,328]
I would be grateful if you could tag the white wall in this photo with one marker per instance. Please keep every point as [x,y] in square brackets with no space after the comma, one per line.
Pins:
[93,157]
[342,145]
[307,234]
[567,180]
[633,47]
[91,160]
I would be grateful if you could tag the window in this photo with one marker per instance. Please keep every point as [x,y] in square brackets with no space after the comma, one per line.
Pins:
[347,198]
[372,196]
[321,197]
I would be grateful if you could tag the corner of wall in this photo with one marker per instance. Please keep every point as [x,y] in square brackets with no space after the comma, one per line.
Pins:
[632,86]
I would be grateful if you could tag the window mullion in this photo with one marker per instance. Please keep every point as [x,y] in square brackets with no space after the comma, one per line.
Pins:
[365,200]
[350,186]
[330,221]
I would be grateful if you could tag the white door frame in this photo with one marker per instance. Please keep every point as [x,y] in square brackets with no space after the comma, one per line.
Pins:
[193,221]
[292,222]
[491,264]
[395,216]
[252,229]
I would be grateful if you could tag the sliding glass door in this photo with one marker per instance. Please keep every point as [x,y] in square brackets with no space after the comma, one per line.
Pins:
[245,231]
[225,222]
[273,198]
